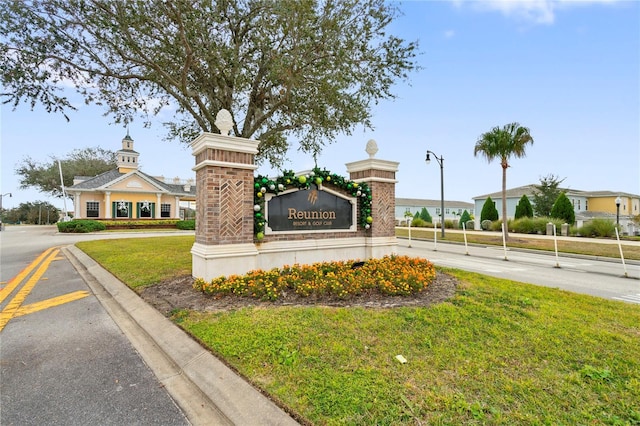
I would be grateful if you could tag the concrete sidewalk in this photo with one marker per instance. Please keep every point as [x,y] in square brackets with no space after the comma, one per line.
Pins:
[208,391]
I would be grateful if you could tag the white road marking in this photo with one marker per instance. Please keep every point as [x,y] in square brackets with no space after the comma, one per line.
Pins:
[633,298]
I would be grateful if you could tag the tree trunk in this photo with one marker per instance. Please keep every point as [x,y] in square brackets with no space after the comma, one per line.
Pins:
[504,200]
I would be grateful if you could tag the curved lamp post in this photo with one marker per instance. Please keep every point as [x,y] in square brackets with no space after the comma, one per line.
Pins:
[618,202]
[441,163]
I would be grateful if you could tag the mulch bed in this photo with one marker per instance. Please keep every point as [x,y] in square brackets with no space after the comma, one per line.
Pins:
[178,293]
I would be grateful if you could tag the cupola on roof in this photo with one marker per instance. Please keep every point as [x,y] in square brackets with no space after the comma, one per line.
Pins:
[127,157]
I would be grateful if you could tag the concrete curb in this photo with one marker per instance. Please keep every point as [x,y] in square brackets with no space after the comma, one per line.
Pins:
[208,391]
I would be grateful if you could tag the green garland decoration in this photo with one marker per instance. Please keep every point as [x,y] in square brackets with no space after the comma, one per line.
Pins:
[289,180]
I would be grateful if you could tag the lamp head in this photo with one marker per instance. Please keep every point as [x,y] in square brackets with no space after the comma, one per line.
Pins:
[618,201]
[428,159]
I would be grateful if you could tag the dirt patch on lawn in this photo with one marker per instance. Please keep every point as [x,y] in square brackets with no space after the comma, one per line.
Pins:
[178,293]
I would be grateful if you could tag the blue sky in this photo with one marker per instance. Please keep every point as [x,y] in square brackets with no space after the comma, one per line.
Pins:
[568,70]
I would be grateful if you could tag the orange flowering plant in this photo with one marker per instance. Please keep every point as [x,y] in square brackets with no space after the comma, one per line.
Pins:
[390,275]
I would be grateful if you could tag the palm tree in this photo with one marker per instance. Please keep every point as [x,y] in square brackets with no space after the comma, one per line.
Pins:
[503,143]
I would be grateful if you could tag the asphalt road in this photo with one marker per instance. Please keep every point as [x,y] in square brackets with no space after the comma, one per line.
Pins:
[63,360]
[579,274]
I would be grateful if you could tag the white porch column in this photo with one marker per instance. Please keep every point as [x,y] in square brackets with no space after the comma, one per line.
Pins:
[76,205]
[107,207]
[158,205]
[177,208]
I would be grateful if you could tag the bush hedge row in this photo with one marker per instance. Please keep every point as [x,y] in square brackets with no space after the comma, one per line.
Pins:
[89,225]
[81,226]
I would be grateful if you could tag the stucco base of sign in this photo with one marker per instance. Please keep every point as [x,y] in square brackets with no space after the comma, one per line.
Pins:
[214,261]
[211,261]
[279,253]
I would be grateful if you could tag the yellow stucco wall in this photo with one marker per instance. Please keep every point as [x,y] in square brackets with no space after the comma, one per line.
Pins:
[602,204]
[132,189]
[608,204]
[133,183]
[133,198]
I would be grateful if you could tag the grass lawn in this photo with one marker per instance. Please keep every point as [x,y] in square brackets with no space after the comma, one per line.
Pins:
[499,352]
[142,261]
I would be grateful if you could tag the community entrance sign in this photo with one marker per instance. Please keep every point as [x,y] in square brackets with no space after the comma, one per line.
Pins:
[314,209]
[246,222]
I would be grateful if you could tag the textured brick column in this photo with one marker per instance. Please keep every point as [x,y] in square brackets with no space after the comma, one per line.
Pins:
[224,204]
[380,175]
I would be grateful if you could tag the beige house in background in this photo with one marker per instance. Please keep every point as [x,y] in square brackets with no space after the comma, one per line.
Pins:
[128,193]
[587,205]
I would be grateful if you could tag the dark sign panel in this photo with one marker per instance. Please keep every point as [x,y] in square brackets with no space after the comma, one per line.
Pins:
[311,209]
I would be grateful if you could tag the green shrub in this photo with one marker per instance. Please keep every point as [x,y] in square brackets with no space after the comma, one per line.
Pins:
[81,226]
[418,223]
[424,215]
[450,224]
[140,223]
[187,225]
[496,225]
[466,217]
[538,225]
[598,228]
[88,225]
[489,211]
[524,208]
[563,209]
[526,225]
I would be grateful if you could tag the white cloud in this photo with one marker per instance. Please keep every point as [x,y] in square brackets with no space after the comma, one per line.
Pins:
[541,12]
[449,34]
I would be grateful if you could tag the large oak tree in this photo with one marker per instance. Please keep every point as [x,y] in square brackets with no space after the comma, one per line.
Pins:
[45,176]
[305,70]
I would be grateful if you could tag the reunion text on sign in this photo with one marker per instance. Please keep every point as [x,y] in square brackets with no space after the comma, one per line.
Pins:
[309,210]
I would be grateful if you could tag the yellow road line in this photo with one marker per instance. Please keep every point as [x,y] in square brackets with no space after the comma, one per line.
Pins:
[49,303]
[15,281]
[11,308]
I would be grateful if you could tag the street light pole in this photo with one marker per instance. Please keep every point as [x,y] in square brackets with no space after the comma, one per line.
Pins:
[618,202]
[1,196]
[441,163]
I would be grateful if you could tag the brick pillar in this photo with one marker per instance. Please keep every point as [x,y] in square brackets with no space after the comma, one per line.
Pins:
[380,175]
[224,203]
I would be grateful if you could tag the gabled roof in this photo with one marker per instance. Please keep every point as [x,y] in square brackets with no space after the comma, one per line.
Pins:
[101,181]
[598,194]
[529,190]
[150,179]
[98,181]
[435,203]
[517,192]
